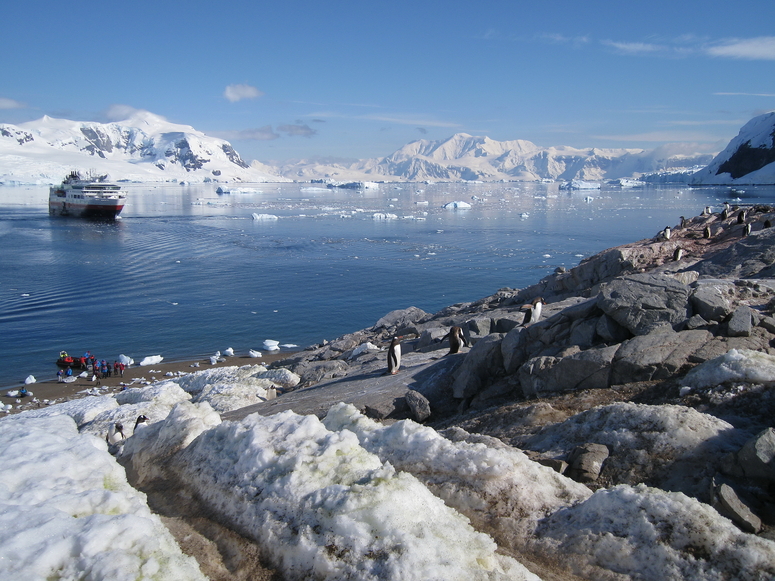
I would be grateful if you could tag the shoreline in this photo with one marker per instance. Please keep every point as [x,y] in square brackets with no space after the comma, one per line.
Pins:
[135,376]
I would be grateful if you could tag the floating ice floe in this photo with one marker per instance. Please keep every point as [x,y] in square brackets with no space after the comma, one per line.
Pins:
[271,345]
[264,217]
[384,216]
[580,185]
[151,360]
[457,206]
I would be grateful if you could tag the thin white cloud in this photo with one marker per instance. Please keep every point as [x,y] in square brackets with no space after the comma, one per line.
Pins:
[236,93]
[662,136]
[635,47]
[747,94]
[303,130]
[409,120]
[759,48]
[10,104]
[555,38]
[121,112]
[265,133]
[734,122]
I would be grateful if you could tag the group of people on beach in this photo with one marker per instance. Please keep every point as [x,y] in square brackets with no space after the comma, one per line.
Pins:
[99,368]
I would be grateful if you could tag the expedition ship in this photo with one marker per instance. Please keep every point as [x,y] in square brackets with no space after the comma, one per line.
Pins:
[86,198]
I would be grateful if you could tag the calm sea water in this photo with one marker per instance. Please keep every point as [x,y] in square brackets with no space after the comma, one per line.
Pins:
[186,271]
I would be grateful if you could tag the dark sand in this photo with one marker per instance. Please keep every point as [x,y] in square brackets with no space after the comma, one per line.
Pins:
[133,377]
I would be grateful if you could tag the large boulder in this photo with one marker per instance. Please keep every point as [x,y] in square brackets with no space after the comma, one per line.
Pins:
[657,355]
[710,300]
[400,318]
[757,456]
[751,257]
[482,363]
[588,369]
[642,302]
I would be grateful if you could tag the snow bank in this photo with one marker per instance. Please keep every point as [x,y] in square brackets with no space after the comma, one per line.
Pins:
[230,388]
[741,365]
[646,533]
[485,483]
[676,445]
[81,410]
[319,504]
[67,511]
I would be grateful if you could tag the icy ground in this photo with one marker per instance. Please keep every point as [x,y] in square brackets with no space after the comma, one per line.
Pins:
[346,497]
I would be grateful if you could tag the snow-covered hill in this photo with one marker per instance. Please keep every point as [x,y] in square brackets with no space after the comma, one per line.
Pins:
[145,147]
[748,159]
[466,157]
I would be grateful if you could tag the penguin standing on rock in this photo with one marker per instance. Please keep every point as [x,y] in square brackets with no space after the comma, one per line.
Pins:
[666,232]
[747,229]
[394,356]
[456,340]
[741,216]
[706,232]
[533,310]
[678,254]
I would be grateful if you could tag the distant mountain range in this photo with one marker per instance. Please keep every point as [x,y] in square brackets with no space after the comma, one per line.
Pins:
[143,148]
[148,148]
[465,157]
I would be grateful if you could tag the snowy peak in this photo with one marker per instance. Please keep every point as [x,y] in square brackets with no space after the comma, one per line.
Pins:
[748,159]
[466,157]
[144,147]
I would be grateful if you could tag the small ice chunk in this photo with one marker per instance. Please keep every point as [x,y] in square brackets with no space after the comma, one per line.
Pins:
[151,360]
[271,345]
[30,379]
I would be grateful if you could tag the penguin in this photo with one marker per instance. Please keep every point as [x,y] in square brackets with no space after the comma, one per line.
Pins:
[767,224]
[725,213]
[115,434]
[747,229]
[741,216]
[394,356]
[456,339]
[141,419]
[706,232]
[677,254]
[666,232]
[533,310]
[683,221]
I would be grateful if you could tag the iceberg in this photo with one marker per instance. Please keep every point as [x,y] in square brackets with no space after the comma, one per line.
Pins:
[457,206]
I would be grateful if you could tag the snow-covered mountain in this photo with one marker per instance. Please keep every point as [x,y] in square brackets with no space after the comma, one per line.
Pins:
[145,147]
[466,157]
[748,159]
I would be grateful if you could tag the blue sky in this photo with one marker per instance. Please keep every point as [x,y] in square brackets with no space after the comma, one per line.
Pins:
[343,79]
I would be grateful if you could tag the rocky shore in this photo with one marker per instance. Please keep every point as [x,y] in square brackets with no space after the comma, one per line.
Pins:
[627,433]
